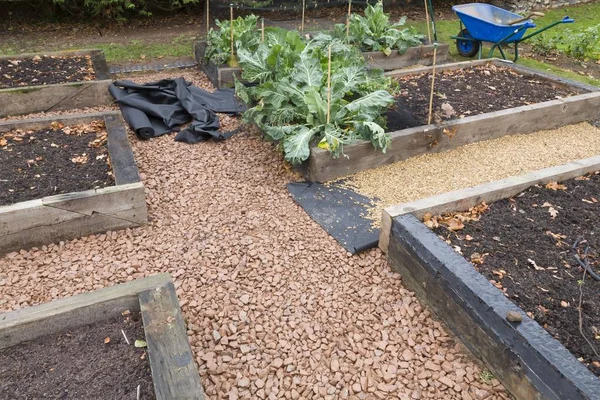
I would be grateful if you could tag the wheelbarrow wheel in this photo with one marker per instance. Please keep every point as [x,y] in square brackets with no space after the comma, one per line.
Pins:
[466,48]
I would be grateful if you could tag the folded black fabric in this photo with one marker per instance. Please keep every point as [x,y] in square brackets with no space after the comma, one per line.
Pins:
[153,109]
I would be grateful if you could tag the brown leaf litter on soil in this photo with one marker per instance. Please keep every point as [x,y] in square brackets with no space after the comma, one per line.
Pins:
[473,164]
[275,307]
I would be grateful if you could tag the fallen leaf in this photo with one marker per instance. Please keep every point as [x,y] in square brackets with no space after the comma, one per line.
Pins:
[551,209]
[555,186]
[126,312]
[499,273]
[564,304]
[534,265]
[57,125]
[82,159]
[448,110]
[469,237]
[106,340]
[453,224]
[450,132]
[477,258]
[457,249]
[3,142]
[140,343]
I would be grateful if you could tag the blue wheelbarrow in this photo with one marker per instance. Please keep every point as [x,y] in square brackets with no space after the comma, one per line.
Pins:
[487,23]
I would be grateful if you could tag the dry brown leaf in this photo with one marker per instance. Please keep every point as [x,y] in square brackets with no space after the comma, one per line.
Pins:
[499,273]
[587,201]
[107,340]
[450,132]
[477,258]
[100,140]
[534,265]
[57,125]
[3,142]
[555,186]
[553,212]
[564,304]
[453,224]
[82,159]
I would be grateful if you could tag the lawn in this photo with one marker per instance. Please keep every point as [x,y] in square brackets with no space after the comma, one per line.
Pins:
[586,16]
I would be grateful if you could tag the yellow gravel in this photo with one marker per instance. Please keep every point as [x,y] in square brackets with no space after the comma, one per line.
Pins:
[473,164]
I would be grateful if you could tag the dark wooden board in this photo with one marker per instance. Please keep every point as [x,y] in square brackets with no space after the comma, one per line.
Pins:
[173,367]
[524,357]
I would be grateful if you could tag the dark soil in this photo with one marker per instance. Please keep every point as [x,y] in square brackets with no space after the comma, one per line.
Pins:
[514,236]
[43,70]
[469,91]
[79,364]
[49,162]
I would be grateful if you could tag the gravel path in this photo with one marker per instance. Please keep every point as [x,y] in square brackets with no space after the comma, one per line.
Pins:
[474,164]
[275,307]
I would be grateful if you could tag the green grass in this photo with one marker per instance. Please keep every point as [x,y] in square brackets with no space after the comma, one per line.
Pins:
[135,50]
[563,73]
[139,49]
[585,16]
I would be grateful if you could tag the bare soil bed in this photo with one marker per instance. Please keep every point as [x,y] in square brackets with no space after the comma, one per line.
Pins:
[52,161]
[90,362]
[524,246]
[466,92]
[45,70]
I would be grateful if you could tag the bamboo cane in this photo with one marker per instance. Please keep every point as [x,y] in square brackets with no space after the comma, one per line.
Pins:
[262,30]
[302,24]
[232,60]
[427,19]
[207,16]
[329,86]
[348,19]
[432,85]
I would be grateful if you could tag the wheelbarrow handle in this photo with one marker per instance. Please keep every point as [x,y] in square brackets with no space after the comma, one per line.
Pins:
[533,14]
[567,20]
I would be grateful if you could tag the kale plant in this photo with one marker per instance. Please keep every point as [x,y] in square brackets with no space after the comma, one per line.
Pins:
[373,32]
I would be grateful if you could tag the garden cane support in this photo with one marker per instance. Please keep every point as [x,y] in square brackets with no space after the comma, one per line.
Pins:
[329,85]
[232,60]
[348,20]
[427,19]
[432,84]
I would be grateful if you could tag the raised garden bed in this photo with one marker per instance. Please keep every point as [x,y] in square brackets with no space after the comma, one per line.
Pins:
[525,357]
[221,76]
[58,186]
[523,101]
[54,81]
[417,55]
[41,344]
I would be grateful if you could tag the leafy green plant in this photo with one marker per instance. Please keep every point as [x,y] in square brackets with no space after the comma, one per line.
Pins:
[579,45]
[291,94]
[245,36]
[374,32]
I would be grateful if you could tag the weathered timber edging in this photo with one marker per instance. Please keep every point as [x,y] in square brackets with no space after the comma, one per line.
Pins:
[417,55]
[406,143]
[221,76]
[72,215]
[524,357]
[62,96]
[174,371]
[463,199]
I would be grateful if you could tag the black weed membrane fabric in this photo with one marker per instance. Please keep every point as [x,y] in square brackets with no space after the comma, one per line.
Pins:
[156,108]
[340,211]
